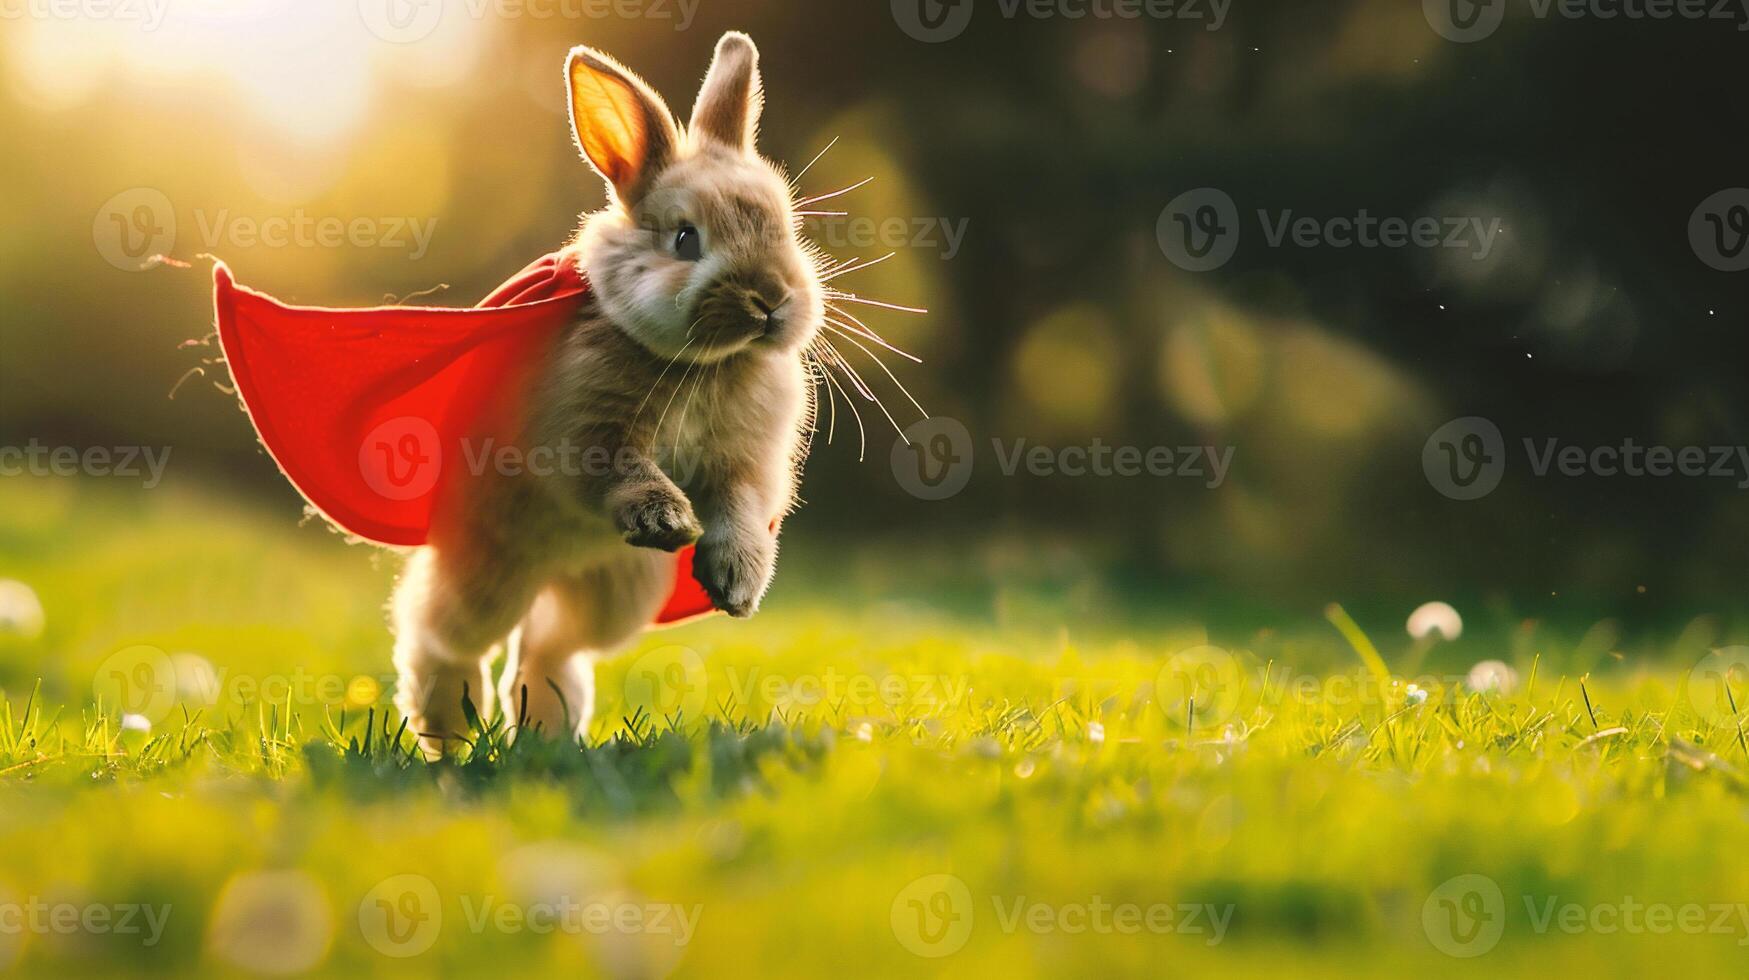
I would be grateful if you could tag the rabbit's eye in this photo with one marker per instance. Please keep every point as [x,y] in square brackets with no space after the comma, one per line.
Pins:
[688,244]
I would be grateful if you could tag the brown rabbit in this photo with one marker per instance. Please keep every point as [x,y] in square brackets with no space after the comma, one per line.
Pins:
[685,368]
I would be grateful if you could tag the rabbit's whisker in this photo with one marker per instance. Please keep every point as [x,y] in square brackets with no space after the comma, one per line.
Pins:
[845,270]
[813,410]
[656,436]
[699,382]
[804,171]
[868,392]
[827,270]
[822,214]
[844,297]
[883,366]
[865,329]
[861,431]
[658,382]
[817,198]
[866,334]
[832,399]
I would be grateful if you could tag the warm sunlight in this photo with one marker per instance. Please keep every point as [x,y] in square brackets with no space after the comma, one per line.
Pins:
[252,54]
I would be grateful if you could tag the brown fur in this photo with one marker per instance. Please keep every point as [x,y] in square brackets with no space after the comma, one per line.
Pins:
[687,375]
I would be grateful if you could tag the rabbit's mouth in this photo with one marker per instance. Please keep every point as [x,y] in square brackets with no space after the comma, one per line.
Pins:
[741,313]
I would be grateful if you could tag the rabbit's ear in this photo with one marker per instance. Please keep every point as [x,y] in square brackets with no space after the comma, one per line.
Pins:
[622,125]
[728,106]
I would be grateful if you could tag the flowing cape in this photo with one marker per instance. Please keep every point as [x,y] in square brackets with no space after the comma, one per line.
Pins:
[371,413]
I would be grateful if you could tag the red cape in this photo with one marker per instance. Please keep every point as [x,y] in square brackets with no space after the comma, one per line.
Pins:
[369,413]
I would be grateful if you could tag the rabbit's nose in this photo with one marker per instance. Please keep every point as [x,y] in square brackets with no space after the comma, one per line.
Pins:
[768,302]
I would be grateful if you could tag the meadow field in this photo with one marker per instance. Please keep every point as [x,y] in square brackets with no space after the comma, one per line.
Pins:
[899,790]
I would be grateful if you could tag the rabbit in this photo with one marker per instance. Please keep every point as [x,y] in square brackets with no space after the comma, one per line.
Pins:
[686,367]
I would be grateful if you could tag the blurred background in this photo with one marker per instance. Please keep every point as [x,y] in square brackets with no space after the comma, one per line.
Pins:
[341,153]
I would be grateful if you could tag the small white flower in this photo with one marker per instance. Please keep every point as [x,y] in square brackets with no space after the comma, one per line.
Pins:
[197,680]
[1492,676]
[1095,732]
[865,732]
[21,612]
[1415,694]
[135,723]
[1436,617]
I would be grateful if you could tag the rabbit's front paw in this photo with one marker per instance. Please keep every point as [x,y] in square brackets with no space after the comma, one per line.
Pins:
[734,573]
[659,517]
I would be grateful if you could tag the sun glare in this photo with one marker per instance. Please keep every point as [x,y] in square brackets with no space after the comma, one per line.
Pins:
[308,72]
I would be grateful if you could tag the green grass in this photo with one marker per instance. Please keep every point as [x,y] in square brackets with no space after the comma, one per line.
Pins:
[797,786]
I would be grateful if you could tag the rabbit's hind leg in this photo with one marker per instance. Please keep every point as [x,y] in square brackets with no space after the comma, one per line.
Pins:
[451,608]
[549,681]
